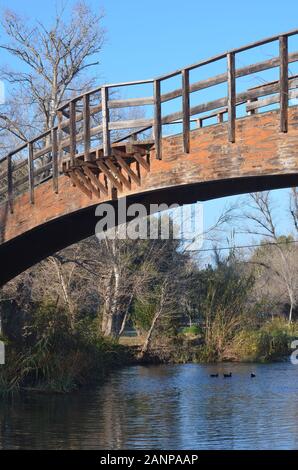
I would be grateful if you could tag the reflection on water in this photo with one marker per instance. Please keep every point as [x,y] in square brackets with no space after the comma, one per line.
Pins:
[163,407]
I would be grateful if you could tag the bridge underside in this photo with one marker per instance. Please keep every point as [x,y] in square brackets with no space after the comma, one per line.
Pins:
[25,250]
[262,158]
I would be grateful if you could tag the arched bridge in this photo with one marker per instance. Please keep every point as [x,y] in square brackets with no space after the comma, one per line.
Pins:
[244,140]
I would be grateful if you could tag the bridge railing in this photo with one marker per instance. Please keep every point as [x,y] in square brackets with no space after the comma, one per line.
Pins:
[97,119]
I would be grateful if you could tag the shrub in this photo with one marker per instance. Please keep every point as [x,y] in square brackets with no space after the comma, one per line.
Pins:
[193,330]
[267,344]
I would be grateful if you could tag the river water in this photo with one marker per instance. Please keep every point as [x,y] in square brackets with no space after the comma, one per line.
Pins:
[163,407]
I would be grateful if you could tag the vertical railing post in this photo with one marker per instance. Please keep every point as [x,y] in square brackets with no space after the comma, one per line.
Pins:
[105,121]
[86,118]
[55,158]
[9,183]
[133,138]
[31,172]
[219,118]
[283,83]
[60,137]
[186,113]
[231,96]
[157,127]
[72,131]
[252,111]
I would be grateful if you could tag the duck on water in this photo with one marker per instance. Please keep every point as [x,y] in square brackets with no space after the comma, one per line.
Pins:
[230,375]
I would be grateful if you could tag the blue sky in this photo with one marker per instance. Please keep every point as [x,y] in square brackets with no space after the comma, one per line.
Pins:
[147,38]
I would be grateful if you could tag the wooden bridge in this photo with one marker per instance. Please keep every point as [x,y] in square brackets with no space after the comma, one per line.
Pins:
[49,187]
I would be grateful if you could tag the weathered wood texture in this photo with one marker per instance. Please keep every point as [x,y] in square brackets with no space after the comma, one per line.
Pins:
[185,110]
[55,169]
[31,172]
[231,96]
[284,85]
[157,129]
[105,121]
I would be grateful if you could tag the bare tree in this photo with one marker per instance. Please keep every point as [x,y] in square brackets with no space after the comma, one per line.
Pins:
[164,306]
[294,207]
[52,65]
[281,263]
[124,269]
[59,280]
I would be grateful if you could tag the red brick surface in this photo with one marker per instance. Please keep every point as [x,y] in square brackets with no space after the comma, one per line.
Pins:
[260,149]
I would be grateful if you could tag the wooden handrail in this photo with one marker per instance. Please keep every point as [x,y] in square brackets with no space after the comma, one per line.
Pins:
[89,115]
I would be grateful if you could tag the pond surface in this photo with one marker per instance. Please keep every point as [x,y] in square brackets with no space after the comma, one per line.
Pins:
[163,407]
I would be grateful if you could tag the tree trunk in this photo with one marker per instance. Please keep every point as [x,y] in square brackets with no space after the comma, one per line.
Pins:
[126,315]
[149,334]
[66,296]
[114,313]
[154,321]
[291,312]
[111,322]
[106,306]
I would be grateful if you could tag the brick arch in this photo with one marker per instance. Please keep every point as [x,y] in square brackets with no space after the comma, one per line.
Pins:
[261,158]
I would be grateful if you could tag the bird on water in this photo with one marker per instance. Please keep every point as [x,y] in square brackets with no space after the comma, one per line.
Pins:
[230,375]
[227,375]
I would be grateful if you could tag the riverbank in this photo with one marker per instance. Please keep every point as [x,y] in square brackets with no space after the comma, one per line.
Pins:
[67,361]
[271,342]
[44,368]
